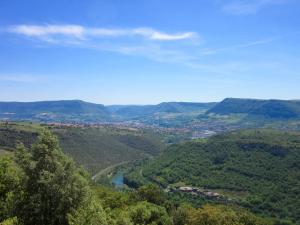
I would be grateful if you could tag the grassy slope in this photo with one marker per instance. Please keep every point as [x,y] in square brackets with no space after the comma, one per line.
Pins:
[95,148]
[260,168]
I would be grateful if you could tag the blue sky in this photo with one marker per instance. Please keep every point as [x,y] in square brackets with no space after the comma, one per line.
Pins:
[149,51]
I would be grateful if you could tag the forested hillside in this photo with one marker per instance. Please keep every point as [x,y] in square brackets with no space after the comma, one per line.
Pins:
[41,185]
[269,109]
[99,148]
[59,111]
[93,147]
[256,169]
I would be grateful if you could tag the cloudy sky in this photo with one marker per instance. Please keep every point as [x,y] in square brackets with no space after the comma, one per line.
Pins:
[149,51]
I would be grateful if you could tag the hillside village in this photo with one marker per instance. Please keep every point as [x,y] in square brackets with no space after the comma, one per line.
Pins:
[196,191]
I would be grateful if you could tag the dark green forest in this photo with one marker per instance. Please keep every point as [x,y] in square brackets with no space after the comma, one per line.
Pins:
[255,173]
[93,147]
[255,169]
[41,185]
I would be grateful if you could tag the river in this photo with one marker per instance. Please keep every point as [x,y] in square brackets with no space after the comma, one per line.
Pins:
[118,180]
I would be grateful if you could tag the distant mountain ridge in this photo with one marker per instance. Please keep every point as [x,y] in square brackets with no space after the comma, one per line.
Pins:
[164,107]
[63,110]
[85,112]
[69,106]
[273,109]
[81,111]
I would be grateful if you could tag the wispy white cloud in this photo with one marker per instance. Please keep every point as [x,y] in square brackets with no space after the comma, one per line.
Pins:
[243,7]
[39,31]
[150,44]
[53,32]
[160,36]
[144,42]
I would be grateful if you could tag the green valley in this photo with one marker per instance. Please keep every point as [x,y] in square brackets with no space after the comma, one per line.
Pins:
[256,169]
[239,157]
[149,112]
[93,147]
[41,185]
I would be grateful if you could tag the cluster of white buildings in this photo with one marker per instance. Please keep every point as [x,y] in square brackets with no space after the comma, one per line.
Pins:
[199,191]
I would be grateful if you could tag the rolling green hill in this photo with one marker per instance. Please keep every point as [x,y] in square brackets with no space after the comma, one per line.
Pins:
[57,111]
[94,148]
[99,148]
[269,109]
[258,169]
[42,185]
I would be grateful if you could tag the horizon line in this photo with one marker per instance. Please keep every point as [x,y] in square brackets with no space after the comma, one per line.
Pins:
[145,104]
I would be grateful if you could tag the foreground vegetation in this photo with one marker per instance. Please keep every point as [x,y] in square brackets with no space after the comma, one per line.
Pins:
[256,169]
[41,185]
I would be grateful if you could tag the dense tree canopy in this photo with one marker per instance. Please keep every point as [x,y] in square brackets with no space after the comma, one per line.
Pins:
[256,169]
[43,186]
[52,187]
[10,180]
